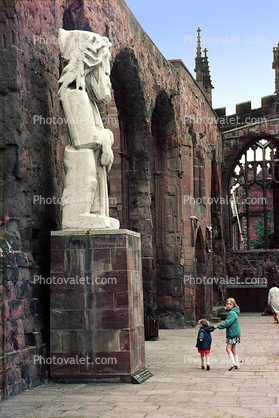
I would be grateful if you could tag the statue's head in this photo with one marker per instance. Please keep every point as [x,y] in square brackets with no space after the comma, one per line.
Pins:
[87,57]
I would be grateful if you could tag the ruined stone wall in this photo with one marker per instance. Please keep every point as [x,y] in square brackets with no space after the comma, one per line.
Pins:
[238,134]
[257,269]
[200,150]
[235,141]
[245,115]
[140,76]
[22,319]
[31,165]
[254,264]
[145,85]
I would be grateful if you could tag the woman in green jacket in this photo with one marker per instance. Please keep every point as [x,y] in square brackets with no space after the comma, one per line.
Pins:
[232,331]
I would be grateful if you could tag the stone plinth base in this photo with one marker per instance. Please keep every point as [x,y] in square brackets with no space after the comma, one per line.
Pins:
[96,325]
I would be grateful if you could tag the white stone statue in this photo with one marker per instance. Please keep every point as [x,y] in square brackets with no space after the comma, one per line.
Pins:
[84,81]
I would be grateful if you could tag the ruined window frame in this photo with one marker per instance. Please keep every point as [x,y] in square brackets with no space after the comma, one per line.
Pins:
[247,176]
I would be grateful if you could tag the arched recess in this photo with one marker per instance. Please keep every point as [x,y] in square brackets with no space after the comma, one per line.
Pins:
[253,189]
[200,290]
[198,172]
[165,189]
[134,142]
[217,250]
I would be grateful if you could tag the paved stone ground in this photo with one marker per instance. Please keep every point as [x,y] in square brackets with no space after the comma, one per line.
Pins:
[179,388]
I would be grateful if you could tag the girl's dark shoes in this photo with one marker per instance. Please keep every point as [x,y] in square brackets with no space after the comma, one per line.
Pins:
[208,367]
[234,366]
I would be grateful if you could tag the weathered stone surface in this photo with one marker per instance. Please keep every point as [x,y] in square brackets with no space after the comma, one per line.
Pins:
[145,92]
[89,156]
[97,305]
[22,335]
[168,151]
[239,131]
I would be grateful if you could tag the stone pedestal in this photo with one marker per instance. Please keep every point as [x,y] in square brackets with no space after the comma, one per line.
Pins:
[96,324]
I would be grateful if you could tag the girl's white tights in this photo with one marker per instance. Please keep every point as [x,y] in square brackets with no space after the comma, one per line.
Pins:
[232,359]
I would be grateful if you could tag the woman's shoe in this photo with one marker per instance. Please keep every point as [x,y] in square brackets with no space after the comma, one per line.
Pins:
[232,367]
[208,367]
[237,367]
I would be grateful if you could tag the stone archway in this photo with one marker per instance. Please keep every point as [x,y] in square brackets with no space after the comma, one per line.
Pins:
[217,251]
[235,142]
[134,142]
[162,140]
[246,262]
[165,190]
[253,188]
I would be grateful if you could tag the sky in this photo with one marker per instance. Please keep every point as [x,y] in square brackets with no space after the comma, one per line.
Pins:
[239,36]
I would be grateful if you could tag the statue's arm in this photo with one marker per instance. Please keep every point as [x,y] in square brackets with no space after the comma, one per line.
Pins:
[81,122]
[107,154]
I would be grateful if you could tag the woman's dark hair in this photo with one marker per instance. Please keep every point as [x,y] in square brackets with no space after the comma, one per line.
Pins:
[274,284]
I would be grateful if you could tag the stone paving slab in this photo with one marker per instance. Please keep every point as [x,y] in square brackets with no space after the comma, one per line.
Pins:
[179,387]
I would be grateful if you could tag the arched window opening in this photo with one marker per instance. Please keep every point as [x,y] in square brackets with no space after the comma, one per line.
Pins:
[199,174]
[254,197]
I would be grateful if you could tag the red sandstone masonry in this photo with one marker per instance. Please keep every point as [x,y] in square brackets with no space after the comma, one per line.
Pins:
[36,150]
[109,317]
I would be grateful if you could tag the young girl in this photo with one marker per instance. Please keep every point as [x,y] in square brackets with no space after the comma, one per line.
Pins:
[232,331]
[204,341]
